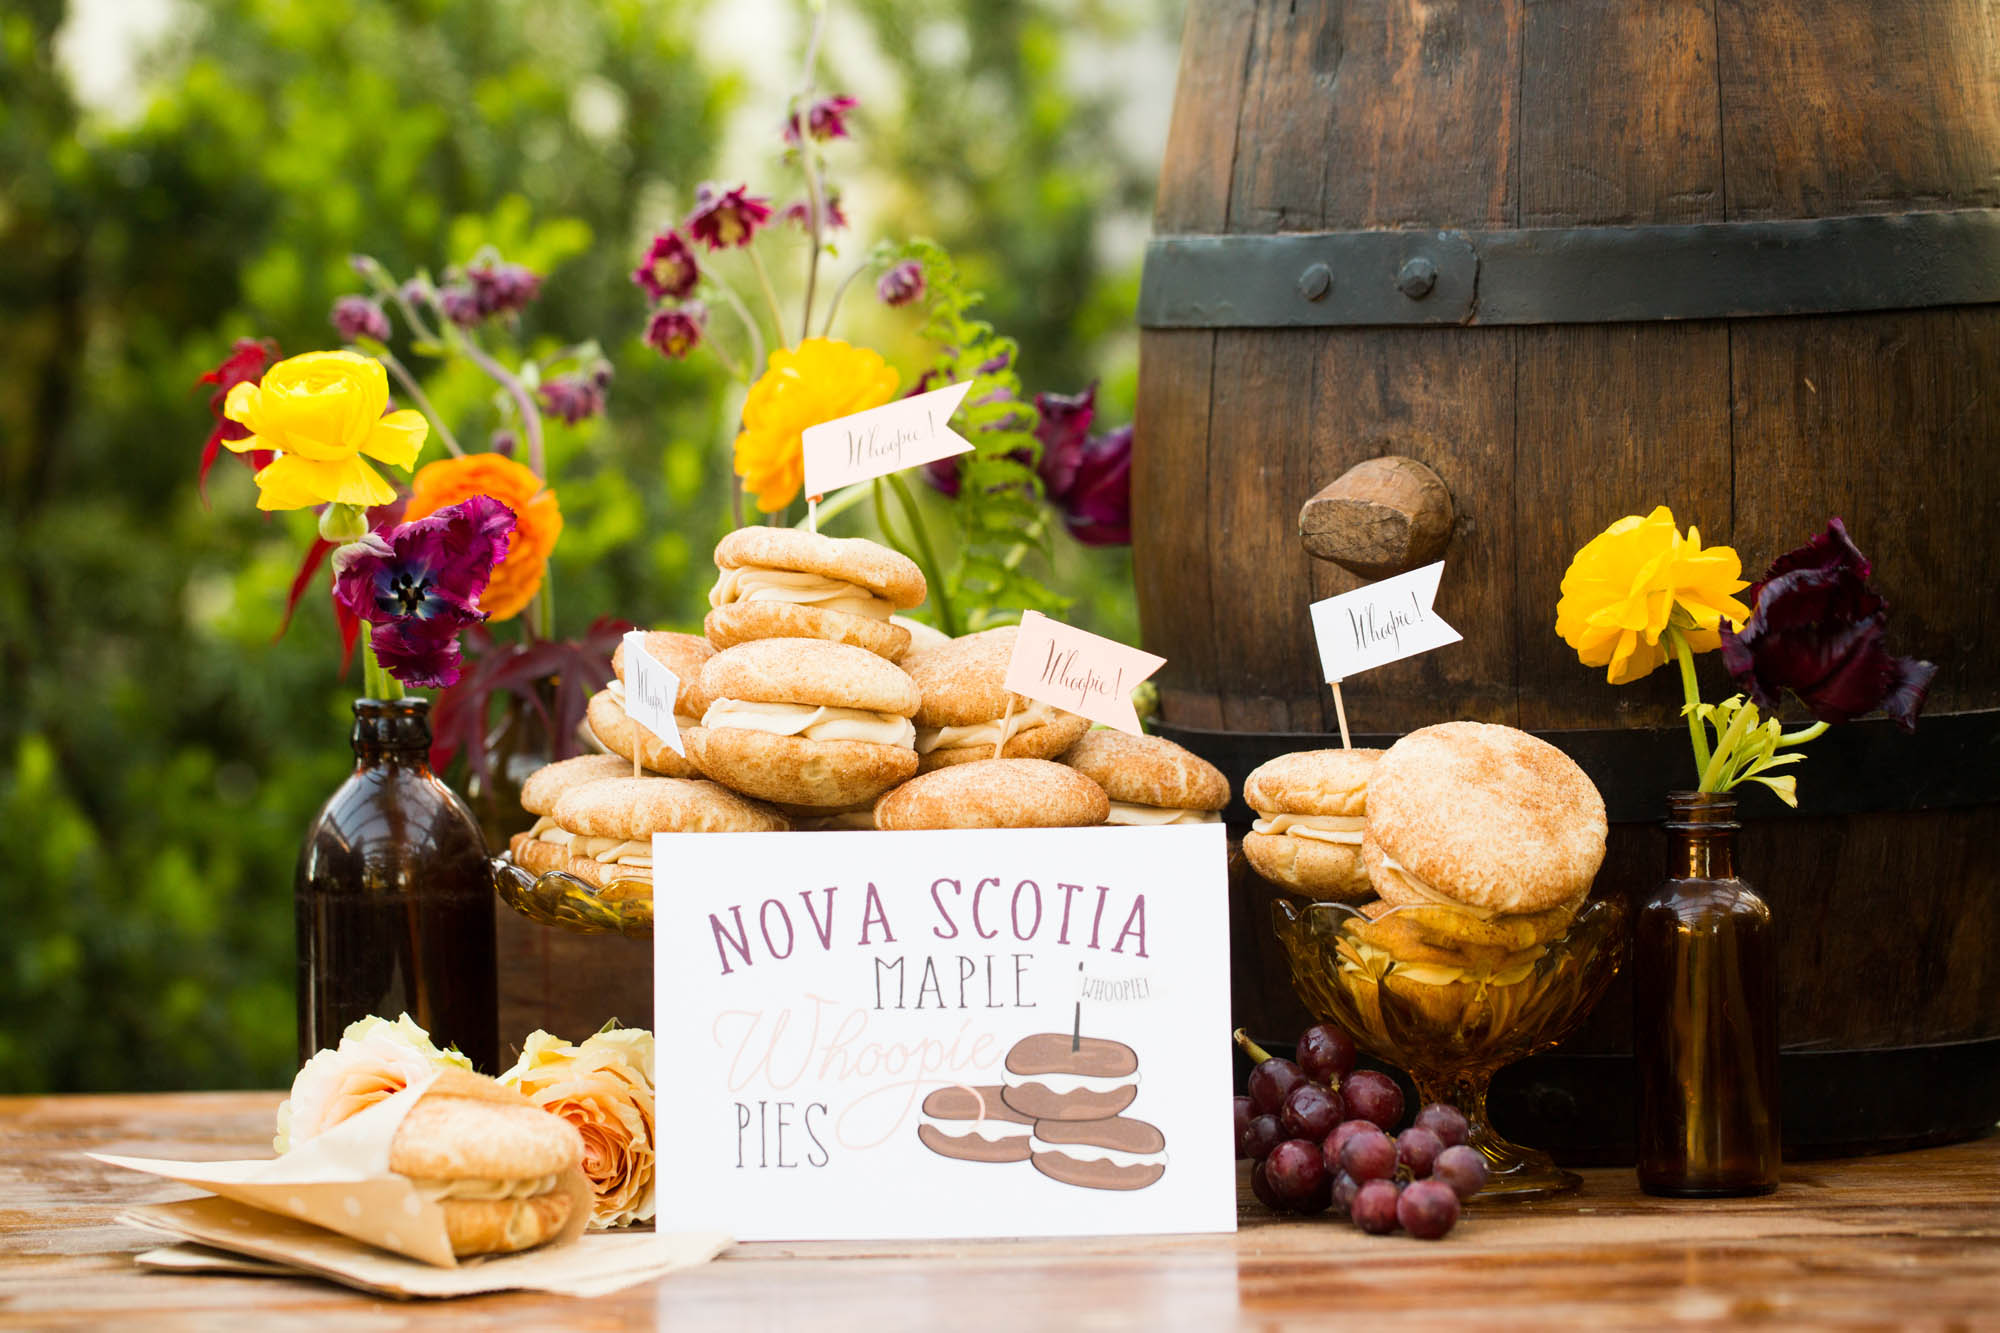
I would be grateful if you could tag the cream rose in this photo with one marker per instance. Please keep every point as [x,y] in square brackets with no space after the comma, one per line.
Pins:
[375,1060]
[605,1088]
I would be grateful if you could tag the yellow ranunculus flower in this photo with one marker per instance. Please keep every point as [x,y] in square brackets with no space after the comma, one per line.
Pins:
[322,412]
[1623,588]
[820,379]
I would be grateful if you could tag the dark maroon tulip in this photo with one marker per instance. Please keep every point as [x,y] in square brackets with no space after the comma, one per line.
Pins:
[1816,628]
[1100,503]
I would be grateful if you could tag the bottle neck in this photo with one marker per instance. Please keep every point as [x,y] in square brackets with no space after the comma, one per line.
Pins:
[1701,835]
[393,731]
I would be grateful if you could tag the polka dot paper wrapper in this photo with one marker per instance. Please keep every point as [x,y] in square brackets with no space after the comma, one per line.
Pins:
[341,1181]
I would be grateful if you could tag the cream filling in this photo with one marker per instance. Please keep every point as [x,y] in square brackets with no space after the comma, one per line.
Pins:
[1320,828]
[993,1131]
[1064,1084]
[637,852]
[476,1188]
[1088,1152]
[1028,713]
[616,689]
[1149,816]
[1422,890]
[813,723]
[753,583]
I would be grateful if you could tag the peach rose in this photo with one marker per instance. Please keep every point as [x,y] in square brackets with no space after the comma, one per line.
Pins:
[376,1059]
[605,1088]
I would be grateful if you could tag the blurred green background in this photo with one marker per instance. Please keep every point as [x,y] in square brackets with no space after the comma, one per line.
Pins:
[175,174]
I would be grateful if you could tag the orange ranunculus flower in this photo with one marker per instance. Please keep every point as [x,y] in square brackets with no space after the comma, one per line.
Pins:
[537,520]
[321,413]
[1634,579]
[820,379]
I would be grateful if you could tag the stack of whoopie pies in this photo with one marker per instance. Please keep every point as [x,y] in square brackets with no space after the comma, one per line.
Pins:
[811,703]
[1468,846]
[1061,1107]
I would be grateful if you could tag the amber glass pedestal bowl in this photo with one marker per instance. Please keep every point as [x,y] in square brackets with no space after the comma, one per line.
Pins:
[1451,1031]
[624,907]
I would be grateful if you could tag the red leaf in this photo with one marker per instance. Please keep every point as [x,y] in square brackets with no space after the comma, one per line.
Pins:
[315,556]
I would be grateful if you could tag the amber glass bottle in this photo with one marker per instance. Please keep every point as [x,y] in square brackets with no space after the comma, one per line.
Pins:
[1705,1014]
[394,898]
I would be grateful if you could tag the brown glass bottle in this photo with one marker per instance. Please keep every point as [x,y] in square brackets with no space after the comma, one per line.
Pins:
[1705,1015]
[394,897]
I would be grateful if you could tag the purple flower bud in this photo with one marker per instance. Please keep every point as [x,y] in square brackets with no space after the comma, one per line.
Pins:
[825,119]
[357,317]
[1816,628]
[799,213]
[676,331]
[668,272]
[502,442]
[722,219]
[460,305]
[502,288]
[576,397]
[902,284]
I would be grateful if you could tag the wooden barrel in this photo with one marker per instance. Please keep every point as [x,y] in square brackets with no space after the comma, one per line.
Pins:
[1583,257]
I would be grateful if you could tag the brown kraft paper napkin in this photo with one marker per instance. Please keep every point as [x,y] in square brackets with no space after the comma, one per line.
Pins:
[224,1231]
[340,1182]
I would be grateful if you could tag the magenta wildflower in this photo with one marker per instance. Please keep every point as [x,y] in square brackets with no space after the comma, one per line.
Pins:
[676,331]
[722,219]
[668,272]
[824,119]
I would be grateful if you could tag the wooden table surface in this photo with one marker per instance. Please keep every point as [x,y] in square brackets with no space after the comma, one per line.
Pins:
[1902,1241]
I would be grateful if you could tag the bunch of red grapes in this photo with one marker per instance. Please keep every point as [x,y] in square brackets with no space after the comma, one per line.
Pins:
[1323,1136]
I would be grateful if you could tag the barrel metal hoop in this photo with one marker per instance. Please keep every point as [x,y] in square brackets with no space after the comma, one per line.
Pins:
[1952,760]
[1573,275]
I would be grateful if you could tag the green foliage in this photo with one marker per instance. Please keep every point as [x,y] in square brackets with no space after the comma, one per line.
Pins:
[160,755]
[999,516]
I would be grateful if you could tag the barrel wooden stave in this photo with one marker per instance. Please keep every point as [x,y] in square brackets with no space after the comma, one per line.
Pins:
[1390,114]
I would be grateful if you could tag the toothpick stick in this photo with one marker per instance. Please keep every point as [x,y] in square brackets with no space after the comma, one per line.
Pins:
[1001,744]
[1340,711]
[812,513]
[1076,1028]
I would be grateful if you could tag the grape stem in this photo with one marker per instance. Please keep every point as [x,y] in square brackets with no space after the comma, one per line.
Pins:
[1255,1052]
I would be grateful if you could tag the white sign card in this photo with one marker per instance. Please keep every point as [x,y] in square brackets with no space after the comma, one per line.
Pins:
[961,1033]
[1074,669]
[650,692]
[1381,623]
[884,439]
